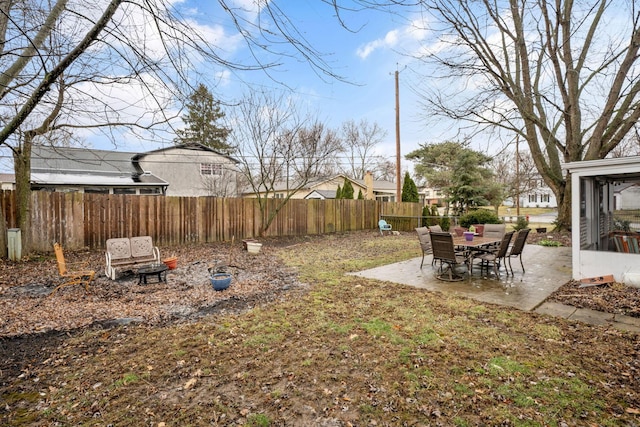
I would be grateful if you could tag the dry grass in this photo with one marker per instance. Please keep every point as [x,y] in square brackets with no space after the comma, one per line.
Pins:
[348,351]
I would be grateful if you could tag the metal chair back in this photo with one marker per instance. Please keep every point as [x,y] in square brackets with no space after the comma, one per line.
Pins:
[494,230]
[442,247]
[444,251]
[518,246]
[504,245]
[425,242]
[424,238]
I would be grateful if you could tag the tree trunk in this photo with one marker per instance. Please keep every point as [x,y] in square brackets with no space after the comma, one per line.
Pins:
[22,169]
[563,197]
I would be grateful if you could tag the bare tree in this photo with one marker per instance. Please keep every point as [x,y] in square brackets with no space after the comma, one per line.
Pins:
[360,140]
[630,146]
[67,65]
[384,170]
[223,184]
[512,182]
[279,153]
[563,75]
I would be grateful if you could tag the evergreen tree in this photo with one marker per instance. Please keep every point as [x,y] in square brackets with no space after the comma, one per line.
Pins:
[409,190]
[434,215]
[202,120]
[339,193]
[426,210]
[347,190]
[360,195]
[463,174]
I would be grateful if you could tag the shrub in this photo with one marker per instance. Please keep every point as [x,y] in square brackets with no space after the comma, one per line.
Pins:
[433,219]
[552,243]
[445,223]
[339,192]
[426,210]
[521,224]
[479,216]
[347,190]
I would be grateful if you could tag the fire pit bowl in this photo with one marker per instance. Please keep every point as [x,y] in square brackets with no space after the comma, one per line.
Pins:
[220,281]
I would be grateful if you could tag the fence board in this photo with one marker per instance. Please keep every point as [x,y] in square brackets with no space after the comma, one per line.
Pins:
[79,220]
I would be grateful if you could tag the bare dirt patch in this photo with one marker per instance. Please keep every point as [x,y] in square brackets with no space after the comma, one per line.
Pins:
[30,306]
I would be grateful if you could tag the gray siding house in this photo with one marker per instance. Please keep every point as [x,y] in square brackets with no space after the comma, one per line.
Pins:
[65,169]
[192,170]
[189,170]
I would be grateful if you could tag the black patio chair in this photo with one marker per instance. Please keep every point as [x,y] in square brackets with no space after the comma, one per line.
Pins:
[492,256]
[444,251]
[518,246]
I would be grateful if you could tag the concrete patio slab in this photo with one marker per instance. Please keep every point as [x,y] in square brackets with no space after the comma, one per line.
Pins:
[547,268]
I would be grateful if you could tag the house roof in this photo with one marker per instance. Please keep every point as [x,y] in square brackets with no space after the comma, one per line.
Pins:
[321,194]
[82,166]
[190,146]
[627,168]
[310,184]
[378,186]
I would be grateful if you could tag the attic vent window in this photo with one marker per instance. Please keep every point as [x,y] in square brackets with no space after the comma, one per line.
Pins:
[210,169]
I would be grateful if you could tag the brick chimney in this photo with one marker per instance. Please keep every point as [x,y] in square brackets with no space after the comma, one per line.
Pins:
[368,182]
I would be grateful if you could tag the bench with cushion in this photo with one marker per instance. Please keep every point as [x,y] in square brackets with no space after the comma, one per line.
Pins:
[127,253]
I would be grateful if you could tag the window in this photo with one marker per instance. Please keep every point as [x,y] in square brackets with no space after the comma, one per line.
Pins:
[150,190]
[210,169]
[96,190]
[124,191]
[533,198]
[544,198]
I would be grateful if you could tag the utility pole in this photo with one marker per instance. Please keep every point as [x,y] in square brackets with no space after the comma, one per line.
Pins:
[398,171]
[517,176]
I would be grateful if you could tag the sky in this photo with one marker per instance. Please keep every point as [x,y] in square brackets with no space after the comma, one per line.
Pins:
[366,56]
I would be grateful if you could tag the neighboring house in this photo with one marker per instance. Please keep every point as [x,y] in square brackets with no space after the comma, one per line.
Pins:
[432,196]
[192,170]
[65,169]
[325,188]
[626,196]
[383,191]
[321,194]
[539,195]
[594,233]
[7,181]
[182,170]
[321,188]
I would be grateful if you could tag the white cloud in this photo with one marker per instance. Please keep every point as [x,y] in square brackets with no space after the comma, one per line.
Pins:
[388,41]
[407,37]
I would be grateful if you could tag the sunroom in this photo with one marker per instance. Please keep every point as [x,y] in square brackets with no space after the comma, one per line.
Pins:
[605,236]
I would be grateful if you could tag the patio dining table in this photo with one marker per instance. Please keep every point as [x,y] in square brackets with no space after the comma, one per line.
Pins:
[478,243]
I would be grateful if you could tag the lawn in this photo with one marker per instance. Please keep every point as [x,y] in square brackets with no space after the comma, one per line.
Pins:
[333,350]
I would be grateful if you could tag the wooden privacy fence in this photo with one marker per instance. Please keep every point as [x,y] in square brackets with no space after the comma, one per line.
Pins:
[78,220]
